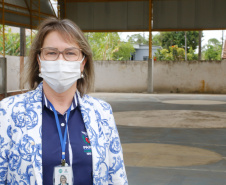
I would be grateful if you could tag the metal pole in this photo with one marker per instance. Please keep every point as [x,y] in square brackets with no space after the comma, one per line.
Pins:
[3,27]
[22,54]
[65,2]
[3,78]
[185,35]
[39,10]
[200,45]
[150,60]
[31,18]
[3,34]
[62,5]
[58,9]
[222,38]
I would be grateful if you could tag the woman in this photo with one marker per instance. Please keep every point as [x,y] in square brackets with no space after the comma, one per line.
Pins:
[63,180]
[57,127]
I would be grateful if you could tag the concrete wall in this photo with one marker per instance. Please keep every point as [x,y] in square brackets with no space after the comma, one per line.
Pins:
[121,76]
[13,73]
[190,76]
[131,76]
[168,76]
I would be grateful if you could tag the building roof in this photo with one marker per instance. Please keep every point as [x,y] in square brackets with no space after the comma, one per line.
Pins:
[143,46]
[25,13]
[136,15]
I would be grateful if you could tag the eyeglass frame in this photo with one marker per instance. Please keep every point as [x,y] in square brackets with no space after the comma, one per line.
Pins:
[61,52]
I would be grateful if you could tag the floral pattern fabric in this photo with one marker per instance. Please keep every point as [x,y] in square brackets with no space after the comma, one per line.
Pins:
[21,138]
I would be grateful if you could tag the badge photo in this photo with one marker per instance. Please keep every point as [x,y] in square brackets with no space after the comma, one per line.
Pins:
[63,175]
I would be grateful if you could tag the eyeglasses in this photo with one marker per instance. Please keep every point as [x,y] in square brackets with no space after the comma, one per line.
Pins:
[69,54]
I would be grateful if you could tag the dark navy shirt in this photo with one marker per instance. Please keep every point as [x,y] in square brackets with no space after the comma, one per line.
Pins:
[51,147]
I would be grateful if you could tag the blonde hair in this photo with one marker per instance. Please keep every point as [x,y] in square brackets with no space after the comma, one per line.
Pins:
[72,34]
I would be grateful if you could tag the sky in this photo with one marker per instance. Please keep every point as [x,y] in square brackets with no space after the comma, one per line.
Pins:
[213,34]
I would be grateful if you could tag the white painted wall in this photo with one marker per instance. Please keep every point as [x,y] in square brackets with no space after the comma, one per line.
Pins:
[190,76]
[121,76]
[131,76]
[13,73]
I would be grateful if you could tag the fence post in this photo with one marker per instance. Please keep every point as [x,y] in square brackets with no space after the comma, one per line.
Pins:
[150,60]
[3,76]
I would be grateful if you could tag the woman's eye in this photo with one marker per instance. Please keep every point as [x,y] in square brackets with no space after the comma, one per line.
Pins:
[51,53]
[70,53]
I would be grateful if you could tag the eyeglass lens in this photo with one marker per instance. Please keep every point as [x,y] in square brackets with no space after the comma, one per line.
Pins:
[70,54]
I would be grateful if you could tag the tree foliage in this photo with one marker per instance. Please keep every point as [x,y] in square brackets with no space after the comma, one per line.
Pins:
[167,39]
[156,40]
[191,55]
[105,46]
[12,42]
[213,50]
[174,53]
[108,46]
[123,51]
[137,39]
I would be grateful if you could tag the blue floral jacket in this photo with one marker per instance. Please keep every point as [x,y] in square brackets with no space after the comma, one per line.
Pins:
[21,140]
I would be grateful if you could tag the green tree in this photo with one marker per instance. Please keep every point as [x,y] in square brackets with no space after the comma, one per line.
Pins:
[156,40]
[175,53]
[212,51]
[107,46]
[28,41]
[123,51]
[12,42]
[163,54]
[191,55]
[137,39]
[103,44]
[178,38]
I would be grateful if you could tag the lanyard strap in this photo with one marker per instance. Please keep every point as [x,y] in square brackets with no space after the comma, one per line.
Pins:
[62,140]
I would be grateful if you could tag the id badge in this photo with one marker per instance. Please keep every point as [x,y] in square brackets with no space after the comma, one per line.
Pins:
[63,175]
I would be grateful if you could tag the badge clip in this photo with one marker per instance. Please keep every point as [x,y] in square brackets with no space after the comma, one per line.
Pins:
[63,161]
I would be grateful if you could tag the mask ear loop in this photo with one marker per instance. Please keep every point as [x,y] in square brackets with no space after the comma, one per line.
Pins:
[82,73]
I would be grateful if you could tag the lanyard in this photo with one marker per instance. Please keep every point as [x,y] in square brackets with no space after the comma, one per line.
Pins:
[62,140]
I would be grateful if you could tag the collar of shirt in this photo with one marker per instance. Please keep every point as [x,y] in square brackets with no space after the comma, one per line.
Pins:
[45,102]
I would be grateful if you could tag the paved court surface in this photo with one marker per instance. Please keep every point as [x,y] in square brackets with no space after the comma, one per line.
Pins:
[171,139]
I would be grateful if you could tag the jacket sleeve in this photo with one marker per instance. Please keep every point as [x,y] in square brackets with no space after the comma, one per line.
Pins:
[4,143]
[117,172]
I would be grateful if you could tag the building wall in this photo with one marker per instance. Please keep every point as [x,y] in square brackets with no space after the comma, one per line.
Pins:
[131,76]
[141,53]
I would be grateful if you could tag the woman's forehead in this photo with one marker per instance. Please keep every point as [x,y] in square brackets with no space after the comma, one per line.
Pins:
[56,39]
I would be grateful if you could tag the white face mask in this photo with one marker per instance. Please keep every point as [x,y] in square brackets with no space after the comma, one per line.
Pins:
[60,75]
